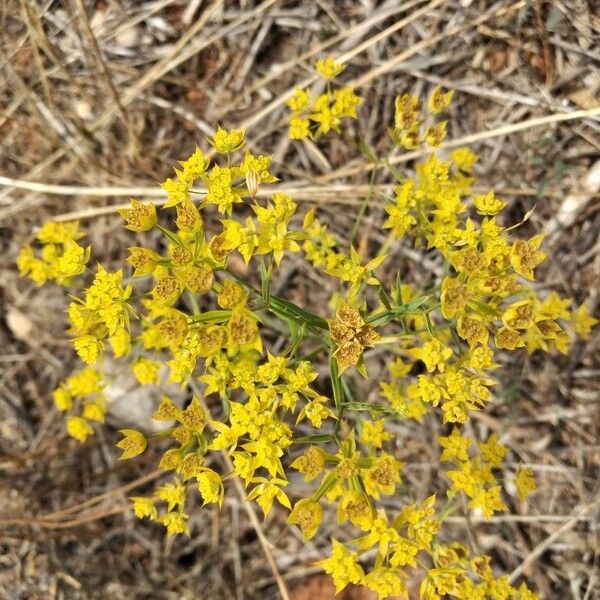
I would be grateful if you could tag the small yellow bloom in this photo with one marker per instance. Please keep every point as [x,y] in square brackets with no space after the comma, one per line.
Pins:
[133,444]
[145,371]
[582,321]
[140,217]
[308,514]
[79,428]
[311,463]
[343,566]
[299,101]
[143,507]
[328,68]
[439,101]
[210,486]
[167,410]
[525,482]
[488,204]
[464,159]
[226,142]
[436,134]
[175,522]
[88,348]
[455,446]
[373,433]
[62,398]
[299,128]
[173,494]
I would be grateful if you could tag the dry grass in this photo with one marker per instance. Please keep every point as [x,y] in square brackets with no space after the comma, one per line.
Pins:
[98,99]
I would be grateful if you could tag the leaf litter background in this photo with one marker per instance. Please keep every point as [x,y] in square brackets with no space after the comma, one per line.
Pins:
[99,99]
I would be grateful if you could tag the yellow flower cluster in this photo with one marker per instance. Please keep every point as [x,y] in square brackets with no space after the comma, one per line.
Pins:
[60,259]
[183,313]
[314,118]
[81,397]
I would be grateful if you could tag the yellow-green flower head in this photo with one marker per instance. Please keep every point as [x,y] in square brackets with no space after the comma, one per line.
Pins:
[439,101]
[143,507]
[488,204]
[226,142]
[79,428]
[132,444]
[140,217]
[300,101]
[175,522]
[525,482]
[343,566]
[59,233]
[210,486]
[328,68]
[308,514]
[62,398]
[299,128]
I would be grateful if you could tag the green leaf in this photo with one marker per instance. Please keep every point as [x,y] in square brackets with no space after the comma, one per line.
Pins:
[383,317]
[336,384]
[286,309]
[316,438]
[212,316]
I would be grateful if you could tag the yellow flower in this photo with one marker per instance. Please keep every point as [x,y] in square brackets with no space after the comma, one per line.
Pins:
[357,508]
[120,342]
[167,410]
[266,491]
[175,522]
[351,334]
[193,167]
[308,514]
[311,463]
[493,451]
[343,566]
[299,101]
[140,217]
[525,482]
[299,128]
[346,102]
[439,101]
[143,507]
[59,233]
[374,433]
[210,486]
[582,321]
[79,428]
[324,115]
[143,261]
[525,256]
[226,142]
[173,494]
[436,134]
[508,338]
[433,354]
[177,191]
[88,348]
[94,410]
[383,476]
[133,444]
[329,68]
[62,398]
[386,582]
[487,501]
[464,159]
[455,446]
[145,371]
[73,260]
[488,204]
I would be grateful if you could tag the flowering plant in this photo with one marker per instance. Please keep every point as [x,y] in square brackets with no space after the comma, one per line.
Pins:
[186,307]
